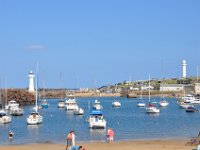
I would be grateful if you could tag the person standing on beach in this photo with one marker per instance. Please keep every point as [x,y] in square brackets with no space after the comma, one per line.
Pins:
[110,135]
[69,140]
[73,138]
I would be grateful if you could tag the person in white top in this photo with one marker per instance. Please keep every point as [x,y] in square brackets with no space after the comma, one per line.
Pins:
[73,138]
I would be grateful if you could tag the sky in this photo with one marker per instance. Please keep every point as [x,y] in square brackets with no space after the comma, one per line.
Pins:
[91,43]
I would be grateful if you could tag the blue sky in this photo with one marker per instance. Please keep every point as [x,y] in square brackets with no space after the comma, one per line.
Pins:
[107,41]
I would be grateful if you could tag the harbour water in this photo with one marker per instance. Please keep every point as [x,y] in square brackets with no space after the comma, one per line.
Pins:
[129,123]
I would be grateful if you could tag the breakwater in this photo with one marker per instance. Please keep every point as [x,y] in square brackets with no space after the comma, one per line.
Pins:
[23,97]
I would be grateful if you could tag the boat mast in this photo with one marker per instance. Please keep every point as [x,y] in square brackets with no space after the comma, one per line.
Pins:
[149,88]
[36,86]
[197,73]
[44,97]
[6,93]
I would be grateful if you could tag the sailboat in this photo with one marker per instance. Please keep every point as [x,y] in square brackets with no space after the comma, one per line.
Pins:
[163,103]
[44,103]
[151,108]
[141,103]
[61,102]
[4,118]
[35,118]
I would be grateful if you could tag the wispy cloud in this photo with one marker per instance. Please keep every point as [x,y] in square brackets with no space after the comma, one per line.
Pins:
[36,47]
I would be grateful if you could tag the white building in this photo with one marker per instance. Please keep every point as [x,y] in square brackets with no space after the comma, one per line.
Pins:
[197,88]
[31,77]
[147,88]
[171,87]
[184,69]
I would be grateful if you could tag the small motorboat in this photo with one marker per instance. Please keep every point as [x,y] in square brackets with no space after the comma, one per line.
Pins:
[191,109]
[61,104]
[97,105]
[79,111]
[141,104]
[163,103]
[116,104]
[17,111]
[44,104]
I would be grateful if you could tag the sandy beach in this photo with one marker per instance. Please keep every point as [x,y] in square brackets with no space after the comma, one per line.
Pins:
[125,145]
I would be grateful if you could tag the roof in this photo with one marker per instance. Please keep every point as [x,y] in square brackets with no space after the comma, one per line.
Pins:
[96,112]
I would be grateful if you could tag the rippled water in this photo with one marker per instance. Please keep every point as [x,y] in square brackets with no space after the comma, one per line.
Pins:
[128,122]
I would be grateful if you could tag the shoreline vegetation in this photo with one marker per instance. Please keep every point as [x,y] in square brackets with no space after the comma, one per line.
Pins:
[120,145]
[23,97]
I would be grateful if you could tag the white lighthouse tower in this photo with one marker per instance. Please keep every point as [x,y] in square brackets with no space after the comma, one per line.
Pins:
[31,77]
[184,69]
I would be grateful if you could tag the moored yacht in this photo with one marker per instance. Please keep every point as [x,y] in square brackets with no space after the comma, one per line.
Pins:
[96,119]
[4,118]
[190,99]
[97,105]
[61,104]
[151,108]
[116,104]
[44,104]
[71,104]
[34,118]
[17,111]
[141,104]
[11,104]
[163,103]
[191,109]
[79,111]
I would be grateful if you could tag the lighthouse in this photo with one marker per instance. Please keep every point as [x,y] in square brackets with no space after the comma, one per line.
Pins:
[31,77]
[184,69]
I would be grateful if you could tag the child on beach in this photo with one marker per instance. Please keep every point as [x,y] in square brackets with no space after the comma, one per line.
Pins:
[77,148]
[110,135]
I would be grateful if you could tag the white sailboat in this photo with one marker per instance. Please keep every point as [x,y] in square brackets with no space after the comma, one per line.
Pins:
[61,102]
[44,103]
[163,103]
[151,108]
[141,103]
[35,118]
[4,118]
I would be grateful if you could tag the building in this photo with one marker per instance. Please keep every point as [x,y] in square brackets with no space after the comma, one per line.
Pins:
[171,87]
[197,88]
[147,87]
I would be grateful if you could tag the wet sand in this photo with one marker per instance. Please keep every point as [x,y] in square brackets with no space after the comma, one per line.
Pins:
[125,145]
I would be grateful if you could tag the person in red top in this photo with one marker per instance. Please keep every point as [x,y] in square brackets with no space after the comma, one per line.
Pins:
[110,135]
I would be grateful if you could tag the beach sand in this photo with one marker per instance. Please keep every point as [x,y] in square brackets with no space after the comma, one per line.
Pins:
[125,145]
